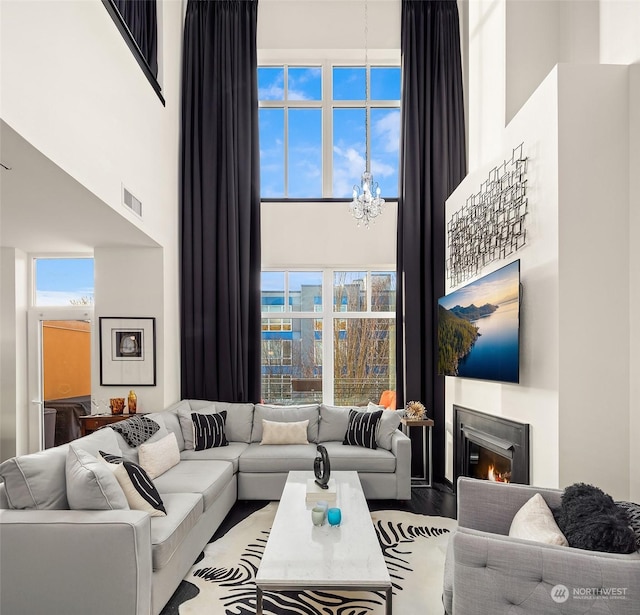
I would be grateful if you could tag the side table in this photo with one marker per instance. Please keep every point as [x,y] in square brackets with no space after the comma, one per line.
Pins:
[92,422]
[407,424]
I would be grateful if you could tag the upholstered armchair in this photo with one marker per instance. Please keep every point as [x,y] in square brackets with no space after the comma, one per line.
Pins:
[487,572]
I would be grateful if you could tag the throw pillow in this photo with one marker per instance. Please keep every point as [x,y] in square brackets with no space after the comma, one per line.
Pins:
[590,520]
[136,430]
[534,521]
[208,430]
[362,428]
[138,488]
[633,514]
[186,422]
[90,485]
[158,457]
[284,433]
[388,425]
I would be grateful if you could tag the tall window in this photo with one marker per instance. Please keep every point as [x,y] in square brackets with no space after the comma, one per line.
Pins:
[327,336]
[313,129]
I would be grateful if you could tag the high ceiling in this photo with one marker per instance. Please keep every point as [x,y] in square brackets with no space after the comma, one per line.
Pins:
[45,210]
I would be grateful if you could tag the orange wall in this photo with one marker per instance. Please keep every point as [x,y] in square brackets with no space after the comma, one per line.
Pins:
[66,349]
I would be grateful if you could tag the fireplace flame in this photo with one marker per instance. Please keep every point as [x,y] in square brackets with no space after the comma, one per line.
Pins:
[498,477]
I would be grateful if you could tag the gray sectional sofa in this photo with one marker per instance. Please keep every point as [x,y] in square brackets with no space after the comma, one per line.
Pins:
[57,560]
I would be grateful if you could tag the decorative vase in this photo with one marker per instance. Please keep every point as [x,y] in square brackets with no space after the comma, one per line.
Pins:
[117,405]
[132,402]
[317,515]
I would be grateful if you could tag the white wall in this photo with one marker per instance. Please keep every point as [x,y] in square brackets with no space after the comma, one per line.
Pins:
[13,350]
[72,89]
[593,218]
[131,284]
[598,197]
[535,399]
[634,280]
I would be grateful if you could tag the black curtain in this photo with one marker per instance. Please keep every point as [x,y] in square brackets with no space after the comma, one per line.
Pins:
[141,17]
[220,203]
[432,164]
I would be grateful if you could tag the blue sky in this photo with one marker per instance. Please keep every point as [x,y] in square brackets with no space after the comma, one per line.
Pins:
[59,280]
[348,138]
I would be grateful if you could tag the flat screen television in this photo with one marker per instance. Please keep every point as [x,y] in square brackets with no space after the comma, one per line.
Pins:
[479,328]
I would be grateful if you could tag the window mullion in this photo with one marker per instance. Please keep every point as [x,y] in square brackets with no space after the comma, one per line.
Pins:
[327,130]
[327,337]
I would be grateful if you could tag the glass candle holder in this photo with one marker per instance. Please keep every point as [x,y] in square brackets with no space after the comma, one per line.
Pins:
[334,516]
[317,515]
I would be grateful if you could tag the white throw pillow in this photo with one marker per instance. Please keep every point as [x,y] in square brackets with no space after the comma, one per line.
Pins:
[158,457]
[284,433]
[534,521]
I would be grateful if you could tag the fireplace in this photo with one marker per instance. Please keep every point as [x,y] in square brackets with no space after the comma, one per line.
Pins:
[490,447]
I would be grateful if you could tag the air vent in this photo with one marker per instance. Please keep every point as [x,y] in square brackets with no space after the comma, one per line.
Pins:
[130,201]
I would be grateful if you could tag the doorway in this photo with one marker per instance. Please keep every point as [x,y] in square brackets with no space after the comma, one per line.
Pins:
[59,374]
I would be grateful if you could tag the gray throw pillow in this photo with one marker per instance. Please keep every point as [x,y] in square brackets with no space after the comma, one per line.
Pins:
[38,480]
[91,485]
[186,422]
[388,425]
[334,421]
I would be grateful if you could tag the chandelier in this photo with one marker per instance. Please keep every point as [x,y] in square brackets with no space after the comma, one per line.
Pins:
[367,202]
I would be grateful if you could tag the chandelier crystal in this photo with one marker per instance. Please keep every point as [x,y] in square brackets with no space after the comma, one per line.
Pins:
[367,202]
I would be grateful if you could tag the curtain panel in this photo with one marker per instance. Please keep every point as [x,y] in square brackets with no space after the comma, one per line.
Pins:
[141,17]
[220,203]
[432,164]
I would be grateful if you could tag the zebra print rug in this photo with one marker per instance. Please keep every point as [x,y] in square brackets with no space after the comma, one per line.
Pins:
[414,547]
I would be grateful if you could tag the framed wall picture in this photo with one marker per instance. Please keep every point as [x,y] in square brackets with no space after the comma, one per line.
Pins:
[127,351]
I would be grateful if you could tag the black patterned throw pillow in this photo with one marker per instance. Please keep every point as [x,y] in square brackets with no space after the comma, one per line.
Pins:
[138,488]
[208,430]
[362,428]
[136,430]
[633,513]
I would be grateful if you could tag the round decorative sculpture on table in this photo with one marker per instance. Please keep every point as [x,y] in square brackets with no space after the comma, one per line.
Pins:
[322,467]
[414,410]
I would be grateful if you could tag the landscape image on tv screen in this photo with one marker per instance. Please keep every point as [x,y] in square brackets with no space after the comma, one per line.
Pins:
[478,328]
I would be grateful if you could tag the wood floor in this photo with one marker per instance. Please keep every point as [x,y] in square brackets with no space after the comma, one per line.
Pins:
[438,500]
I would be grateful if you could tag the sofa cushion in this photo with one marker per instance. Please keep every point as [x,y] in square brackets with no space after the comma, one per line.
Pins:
[206,478]
[286,414]
[158,457]
[362,428]
[388,425]
[186,422]
[284,433]
[172,424]
[208,430]
[359,458]
[90,484]
[534,521]
[38,480]
[229,453]
[239,417]
[138,488]
[277,457]
[168,533]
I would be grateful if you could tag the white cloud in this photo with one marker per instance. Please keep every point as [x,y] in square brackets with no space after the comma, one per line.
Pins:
[387,129]
[60,297]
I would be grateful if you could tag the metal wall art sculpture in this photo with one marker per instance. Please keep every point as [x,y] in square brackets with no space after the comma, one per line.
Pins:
[491,224]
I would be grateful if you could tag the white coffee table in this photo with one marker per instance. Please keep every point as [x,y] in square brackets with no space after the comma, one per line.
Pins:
[301,556]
